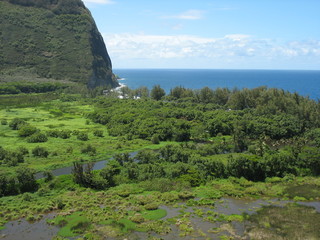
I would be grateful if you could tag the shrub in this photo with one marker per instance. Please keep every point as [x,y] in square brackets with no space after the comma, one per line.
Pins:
[137,218]
[83,136]
[53,133]
[151,206]
[185,195]
[4,122]
[89,149]
[16,123]
[98,182]
[2,153]
[37,138]
[27,197]
[27,130]
[64,134]
[23,150]
[8,185]
[40,152]
[26,179]
[48,175]
[98,133]
[155,139]
[13,158]
[69,149]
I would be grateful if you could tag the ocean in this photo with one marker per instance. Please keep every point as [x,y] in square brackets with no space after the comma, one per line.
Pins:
[306,83]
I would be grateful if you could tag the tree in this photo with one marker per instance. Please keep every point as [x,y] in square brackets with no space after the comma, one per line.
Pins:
[142,92]
[157,93]
[8,185]
[249,167]
[112,169]
[26,179]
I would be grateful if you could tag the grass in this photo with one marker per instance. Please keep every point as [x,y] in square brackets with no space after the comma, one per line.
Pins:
[155,214]
[64,116]
[72,225]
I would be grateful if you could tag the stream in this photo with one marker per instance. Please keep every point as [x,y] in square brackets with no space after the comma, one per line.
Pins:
[68,170]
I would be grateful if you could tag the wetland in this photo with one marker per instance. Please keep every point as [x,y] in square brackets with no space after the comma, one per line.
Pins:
[187,165]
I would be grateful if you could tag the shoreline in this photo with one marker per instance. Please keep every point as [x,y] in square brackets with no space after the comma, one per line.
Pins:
[119,88]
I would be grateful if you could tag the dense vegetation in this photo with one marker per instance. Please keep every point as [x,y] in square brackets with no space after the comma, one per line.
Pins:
[30,87]
[54,40]
[189,143]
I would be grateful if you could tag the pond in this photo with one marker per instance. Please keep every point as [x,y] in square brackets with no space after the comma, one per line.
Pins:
[201,227]
[22,229]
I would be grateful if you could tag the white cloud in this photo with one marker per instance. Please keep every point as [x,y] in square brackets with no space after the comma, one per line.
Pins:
[99,1]
[232,48]
[188,15]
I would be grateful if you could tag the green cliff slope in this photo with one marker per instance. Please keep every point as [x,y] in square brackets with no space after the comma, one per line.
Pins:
[52,39]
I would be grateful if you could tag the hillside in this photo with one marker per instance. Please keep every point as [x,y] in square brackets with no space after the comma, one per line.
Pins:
[52,39]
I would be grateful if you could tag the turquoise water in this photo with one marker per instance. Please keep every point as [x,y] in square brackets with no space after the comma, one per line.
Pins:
[306,83]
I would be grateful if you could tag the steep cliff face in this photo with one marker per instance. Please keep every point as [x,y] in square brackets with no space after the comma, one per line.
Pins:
[55,39]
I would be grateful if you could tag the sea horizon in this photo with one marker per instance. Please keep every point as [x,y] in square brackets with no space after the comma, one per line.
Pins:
[304,82]
[218,69]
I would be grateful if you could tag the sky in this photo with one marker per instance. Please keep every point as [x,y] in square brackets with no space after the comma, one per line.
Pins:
[210,34]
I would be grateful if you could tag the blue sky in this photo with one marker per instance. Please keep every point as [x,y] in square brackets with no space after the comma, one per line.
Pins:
[212,34]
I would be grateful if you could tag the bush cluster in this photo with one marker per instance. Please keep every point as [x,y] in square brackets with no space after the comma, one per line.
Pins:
[12,158]
[40,152]
[64,134]
[37,138]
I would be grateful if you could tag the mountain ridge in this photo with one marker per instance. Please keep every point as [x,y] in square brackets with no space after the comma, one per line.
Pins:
[53,39]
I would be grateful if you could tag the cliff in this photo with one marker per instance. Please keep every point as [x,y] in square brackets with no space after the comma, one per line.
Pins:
[53,39]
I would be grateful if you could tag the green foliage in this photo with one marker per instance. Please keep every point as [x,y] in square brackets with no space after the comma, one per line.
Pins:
[98,133]
[26,180]
[83,136]
[85,176]
[155,139]
[157,93]
[64,134]
[23,150]
[40,152]
[30,87]
[48,175]
[247,167]
[27,130]
[89,149]
[37,137]
[16,123]
[109,172]
[12,158]
[8,185]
